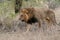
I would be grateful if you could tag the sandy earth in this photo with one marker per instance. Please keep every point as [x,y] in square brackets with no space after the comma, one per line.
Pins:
[52,33]
[45,33]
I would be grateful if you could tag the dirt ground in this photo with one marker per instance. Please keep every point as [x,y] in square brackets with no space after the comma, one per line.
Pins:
[44,33]
[52,33]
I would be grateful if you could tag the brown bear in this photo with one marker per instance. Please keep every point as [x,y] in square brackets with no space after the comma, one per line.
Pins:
[39,15]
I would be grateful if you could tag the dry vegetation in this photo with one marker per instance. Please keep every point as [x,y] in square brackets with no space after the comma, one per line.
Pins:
[13,29]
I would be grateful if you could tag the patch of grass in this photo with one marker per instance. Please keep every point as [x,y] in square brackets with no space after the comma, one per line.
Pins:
[7,12]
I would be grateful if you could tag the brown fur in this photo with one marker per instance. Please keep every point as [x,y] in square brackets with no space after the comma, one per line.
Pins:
[40,14]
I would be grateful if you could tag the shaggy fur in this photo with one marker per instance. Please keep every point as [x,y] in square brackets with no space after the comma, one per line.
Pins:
[40,15]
